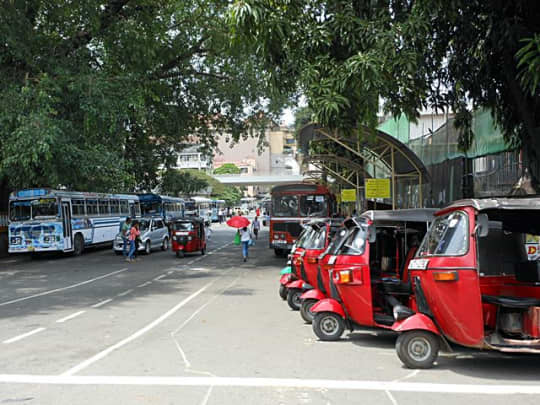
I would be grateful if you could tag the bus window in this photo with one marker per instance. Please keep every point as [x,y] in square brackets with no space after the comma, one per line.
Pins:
[313,206]
[124,207]
[285,206]
[137,210]
[19,210]
[115,207]
[104,207]
[91,207]
[78,208]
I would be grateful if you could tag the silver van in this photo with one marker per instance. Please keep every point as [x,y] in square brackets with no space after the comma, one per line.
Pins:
[154,235]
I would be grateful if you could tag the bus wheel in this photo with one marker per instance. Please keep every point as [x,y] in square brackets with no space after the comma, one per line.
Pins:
[278,252]
[78,247]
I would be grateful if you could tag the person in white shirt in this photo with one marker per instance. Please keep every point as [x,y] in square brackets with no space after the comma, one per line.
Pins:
[245,238]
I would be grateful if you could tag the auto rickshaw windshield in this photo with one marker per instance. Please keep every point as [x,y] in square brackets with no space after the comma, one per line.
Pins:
[316,239]
[337,241]
[448,236]
[356,241]
[183,226]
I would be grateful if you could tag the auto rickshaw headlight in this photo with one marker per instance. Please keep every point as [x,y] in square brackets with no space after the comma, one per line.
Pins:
[401,312]
[445,275]
[190,238]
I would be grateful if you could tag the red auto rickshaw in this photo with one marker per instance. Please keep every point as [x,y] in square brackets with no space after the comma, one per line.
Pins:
[368,273]
[476,278]
[323,288]
[312,246]
[294,274]
[188,235]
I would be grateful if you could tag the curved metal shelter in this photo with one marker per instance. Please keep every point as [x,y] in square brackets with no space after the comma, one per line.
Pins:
[362,153]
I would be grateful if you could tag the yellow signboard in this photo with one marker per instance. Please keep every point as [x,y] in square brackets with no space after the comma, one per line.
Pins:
[348,195]
[377,188]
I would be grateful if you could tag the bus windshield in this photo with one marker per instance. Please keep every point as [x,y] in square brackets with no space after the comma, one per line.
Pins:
[285,206]
[33,209]
[313,206]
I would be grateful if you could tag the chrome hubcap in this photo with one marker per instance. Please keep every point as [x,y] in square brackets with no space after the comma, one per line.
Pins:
[329,325]
[419,349]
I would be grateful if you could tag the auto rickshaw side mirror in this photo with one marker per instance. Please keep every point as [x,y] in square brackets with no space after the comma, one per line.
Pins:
[482,225]
[372,234]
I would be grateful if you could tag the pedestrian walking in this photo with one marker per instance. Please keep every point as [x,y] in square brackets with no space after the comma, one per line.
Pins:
[258,212]
[245,238]
[124,230]
[220,215]
[255,226]
[134,233]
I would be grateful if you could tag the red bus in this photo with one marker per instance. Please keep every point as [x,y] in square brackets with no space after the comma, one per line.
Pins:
[293,205]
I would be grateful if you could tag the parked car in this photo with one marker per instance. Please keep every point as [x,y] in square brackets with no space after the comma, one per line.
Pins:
[154,235]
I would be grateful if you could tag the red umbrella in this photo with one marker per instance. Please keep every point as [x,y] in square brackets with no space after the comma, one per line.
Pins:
[238,222]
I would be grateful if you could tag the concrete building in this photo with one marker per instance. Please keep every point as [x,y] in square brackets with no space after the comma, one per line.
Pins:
[192,158]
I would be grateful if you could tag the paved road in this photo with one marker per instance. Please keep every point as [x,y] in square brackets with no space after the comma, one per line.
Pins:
[207,330]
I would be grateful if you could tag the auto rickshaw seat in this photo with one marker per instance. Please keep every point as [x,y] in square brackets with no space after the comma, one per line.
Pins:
[511,302]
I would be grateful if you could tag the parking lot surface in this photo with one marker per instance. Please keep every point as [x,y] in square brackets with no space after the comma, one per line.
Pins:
[208,330]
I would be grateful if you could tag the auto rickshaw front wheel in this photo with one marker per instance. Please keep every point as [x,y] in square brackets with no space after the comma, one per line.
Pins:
[328,326]
[179,253]
[283,292]
[418,349]
[305,310]
[293,298]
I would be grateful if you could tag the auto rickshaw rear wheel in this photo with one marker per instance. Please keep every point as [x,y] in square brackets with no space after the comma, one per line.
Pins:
[418,349]
[305,310]
[328,326]
[283,292]
[293,298]
[179,253]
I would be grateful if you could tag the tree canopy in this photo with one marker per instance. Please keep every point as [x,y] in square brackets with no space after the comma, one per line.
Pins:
[347,56]
[227,168]
[182,183]
[100,95]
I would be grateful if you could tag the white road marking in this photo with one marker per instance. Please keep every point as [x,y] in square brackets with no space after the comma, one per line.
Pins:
[159,277]
[190,262]
[134,336]
[360,385]
[67,318]
[24,335]
[125,293]
[62,289]
[144,284]
[99,304]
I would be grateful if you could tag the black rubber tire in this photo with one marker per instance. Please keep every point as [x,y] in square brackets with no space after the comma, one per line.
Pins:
[179,253]
[165,244]
[203,251]
[410,342]
[305,310]
[118,253]
[278,252]
[293,298]
[283,292]
[147,247]
[328,326]
[78,245]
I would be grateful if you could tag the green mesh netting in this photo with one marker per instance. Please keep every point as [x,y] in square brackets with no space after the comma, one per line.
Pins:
[442,144]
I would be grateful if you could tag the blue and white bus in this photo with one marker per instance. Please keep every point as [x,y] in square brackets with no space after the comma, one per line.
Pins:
[46,220]
[215,206]
[170,208]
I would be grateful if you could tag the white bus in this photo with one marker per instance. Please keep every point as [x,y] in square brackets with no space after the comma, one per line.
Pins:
[198,207]
[46,220]
[216,205]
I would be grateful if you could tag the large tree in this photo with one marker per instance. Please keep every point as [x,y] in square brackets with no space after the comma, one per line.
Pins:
[100,95]
[346,56]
